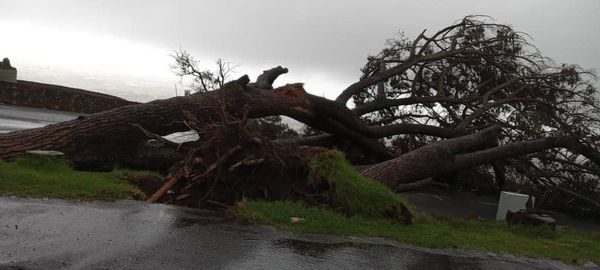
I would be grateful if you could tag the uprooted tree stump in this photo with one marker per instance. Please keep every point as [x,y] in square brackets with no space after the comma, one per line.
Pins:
[230,162]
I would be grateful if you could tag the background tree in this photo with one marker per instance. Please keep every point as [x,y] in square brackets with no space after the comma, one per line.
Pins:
[187,66]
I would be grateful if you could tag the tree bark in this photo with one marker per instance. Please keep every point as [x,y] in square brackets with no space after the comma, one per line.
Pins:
[430,160]
[464,152]
[266,79]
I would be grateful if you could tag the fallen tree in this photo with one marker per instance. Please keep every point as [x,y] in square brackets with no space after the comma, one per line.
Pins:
[466,96]
[109,133]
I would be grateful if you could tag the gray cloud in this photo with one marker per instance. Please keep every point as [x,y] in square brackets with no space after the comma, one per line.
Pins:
[311,36]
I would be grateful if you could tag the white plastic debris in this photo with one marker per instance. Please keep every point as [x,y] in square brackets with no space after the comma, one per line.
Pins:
[511,201]
[295,220]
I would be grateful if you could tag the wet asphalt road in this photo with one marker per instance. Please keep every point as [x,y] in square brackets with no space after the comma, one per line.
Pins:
[16,117]
[55,234]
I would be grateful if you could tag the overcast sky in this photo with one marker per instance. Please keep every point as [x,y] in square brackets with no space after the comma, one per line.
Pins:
[122,47]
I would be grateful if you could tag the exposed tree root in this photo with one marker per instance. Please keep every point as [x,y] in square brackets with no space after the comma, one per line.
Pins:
[229,162]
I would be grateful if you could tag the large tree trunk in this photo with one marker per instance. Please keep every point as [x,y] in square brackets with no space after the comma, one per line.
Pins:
[110,134]
[453,155]
[431,160]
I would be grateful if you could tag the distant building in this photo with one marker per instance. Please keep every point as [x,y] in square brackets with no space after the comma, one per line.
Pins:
[7,72]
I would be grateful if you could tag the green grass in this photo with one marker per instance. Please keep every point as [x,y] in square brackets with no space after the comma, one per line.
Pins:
[52,178]
[353,194]
[356,209]
[565,245]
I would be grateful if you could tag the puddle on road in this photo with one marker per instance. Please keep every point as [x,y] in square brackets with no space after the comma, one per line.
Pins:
[183,222]
[318,249]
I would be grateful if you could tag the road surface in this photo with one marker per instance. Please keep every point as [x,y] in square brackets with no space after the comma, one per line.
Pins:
[16,117]
[56,234]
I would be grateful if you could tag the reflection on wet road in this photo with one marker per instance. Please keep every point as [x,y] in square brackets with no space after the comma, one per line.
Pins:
[55,234]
